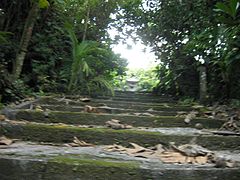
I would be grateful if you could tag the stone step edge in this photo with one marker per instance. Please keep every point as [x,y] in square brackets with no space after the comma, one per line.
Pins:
[50,100]
[65,167]
[106,109]
[101,118]
[61,133]
[60,169]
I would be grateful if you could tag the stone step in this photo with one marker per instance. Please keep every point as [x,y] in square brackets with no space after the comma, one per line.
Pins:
[107,110]
[62,133]
[140,99]
[25,160]
[165,110]
[131,93]
[83,118]
[129,97]
[143,107]
[139,94]
[116,104]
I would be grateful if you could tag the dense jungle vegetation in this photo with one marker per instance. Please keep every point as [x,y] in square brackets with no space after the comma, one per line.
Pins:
[63,46]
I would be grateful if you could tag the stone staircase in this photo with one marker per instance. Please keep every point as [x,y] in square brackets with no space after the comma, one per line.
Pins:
[44,126]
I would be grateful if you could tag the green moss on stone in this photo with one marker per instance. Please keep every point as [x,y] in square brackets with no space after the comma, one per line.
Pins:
[81,160]
[65,134]
[100,119]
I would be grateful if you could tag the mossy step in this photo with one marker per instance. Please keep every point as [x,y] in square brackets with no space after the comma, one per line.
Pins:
[65,168]
[83,118]
[139,94]
[24,161]
[129,97]
[140,99]
[64,133]
[108,110]
[116,104]
[132,102]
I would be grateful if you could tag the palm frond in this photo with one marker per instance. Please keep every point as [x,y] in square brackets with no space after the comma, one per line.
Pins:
[103,83]
[4,37]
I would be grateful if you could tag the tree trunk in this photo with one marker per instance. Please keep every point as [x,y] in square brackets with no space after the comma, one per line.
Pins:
[86,24]
[203,84]
[26,36]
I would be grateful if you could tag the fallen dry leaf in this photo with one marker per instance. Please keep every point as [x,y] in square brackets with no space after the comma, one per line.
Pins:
[85,99]
[177,157]
[115,148]
[5,141]
[77,143]
[39,109]
[116,124]
[136,149]
[166,105]
[198,126]
[160,149]
[181,114]
[231,125]
[90,109]
[173,157]
[197,155]
[2,117]
[143,114]
[150,110]
[198,106]
[190,116]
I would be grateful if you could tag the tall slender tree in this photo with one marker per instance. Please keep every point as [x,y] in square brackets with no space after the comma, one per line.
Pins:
[26,36]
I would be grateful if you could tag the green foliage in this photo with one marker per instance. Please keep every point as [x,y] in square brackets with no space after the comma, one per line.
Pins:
[4,37]
[100,83]
[167,81]
[235,103]
[183,35]
[218,45]
[1,105]
[186,101]
[13,91]
[48,62]
[230,8]
[43,4]
[81,54]
[147,79]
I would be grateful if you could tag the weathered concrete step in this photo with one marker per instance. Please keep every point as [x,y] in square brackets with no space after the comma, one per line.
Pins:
[116,104]
[139,94]
[145,107]
[61,133]
[107,110]
[32,161]
[83,118]
[140,99]
[56,106]
[117,92]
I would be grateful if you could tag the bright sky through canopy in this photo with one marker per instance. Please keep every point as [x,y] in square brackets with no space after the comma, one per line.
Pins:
[138,56]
